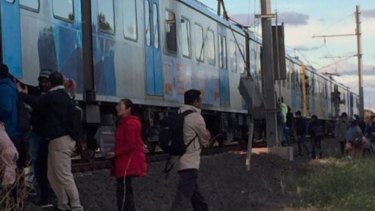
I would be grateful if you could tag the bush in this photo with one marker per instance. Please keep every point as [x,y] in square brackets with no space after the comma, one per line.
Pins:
[337,185]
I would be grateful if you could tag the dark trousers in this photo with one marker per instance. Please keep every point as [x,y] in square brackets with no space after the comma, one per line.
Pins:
[188,192]
[342,147]
[23,151]
[39,156]
[301,142]
[316,146]
[125,196]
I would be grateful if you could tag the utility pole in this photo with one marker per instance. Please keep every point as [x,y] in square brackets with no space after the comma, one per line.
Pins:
[359,56]
[358,34]
[268,75]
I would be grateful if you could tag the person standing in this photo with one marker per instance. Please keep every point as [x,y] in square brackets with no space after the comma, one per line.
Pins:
[316,132]
[57,129]
[341,128]
[300,130]
[38,145]
[194,128]
[129,154]
[9,114]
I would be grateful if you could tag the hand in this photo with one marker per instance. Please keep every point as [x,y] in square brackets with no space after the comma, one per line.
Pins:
[20,89]
[109,155]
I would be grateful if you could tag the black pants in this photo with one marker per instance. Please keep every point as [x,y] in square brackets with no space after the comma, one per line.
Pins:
[188,192]
[22,149]
[40,171]
[125,196]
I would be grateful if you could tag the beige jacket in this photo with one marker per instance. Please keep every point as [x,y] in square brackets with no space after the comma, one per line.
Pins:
[8,158]
[194,126]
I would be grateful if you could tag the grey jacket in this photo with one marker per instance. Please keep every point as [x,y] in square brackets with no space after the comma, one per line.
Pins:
[341,128]
[194,126]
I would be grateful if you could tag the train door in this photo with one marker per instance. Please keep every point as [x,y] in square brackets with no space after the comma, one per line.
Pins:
[11,36]
[153,51]
[223,66]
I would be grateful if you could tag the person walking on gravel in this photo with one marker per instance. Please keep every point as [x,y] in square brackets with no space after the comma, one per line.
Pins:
[194,128]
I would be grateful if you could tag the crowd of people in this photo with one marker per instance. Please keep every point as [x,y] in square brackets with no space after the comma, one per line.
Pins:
[37,129]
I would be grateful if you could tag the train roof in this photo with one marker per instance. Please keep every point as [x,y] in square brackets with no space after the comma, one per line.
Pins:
[209,12]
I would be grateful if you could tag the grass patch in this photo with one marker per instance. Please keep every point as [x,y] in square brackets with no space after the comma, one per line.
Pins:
[336,184]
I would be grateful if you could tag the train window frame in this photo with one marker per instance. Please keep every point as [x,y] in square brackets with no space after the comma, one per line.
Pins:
[233,59]
[171,43]
[211,60]
[113,31]
[199,56]
[223,54]
[127,36]
[29,8]
[61,17]
[187,32]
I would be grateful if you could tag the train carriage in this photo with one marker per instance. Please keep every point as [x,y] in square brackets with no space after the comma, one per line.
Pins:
[151,51]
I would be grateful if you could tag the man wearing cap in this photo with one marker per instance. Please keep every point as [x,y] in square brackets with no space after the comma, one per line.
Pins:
[39,146]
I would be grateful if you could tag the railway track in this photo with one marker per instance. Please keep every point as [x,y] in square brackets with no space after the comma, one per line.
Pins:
[102,163]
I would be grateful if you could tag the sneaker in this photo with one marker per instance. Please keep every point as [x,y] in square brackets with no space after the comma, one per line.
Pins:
[44,204]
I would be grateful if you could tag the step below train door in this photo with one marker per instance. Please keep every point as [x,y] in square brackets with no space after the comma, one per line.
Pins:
[223,66]
[11,36]
[154,73]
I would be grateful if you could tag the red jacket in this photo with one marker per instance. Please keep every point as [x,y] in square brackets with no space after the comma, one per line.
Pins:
[130,159]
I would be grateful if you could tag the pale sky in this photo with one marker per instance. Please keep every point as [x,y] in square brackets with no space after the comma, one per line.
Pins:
[305,18]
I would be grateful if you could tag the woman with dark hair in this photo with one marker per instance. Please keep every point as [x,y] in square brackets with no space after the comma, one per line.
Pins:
[129,155]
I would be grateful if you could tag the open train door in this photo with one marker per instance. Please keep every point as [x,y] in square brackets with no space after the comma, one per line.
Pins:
[11,36]
[153,51]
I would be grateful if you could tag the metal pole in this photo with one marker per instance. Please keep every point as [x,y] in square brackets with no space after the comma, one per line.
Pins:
[359,55]
[268,75]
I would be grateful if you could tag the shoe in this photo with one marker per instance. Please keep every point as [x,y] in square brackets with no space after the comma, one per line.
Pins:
[44,204]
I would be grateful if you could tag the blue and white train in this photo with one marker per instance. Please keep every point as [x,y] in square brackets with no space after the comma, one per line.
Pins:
[151,51]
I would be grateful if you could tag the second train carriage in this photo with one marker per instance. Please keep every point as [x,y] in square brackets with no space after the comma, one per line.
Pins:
[151,51]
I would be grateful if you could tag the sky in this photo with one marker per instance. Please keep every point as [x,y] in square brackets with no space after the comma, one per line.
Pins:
[305,18]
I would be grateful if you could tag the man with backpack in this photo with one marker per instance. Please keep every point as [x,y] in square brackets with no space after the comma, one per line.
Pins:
[195,135]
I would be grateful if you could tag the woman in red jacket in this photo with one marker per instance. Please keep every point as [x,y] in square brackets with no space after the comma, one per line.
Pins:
[129,156]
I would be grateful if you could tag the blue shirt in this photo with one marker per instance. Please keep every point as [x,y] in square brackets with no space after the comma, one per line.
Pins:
[8,107]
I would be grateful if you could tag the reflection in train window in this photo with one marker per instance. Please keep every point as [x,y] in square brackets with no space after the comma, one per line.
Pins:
[198,44]
[63,9]
[210,47]
[155,23]
[222,52]
[185,37]
[106,16]
[170,31]
[32,5]
[130,19]
[10,1]
[241,59]
[233,56]
[147,23]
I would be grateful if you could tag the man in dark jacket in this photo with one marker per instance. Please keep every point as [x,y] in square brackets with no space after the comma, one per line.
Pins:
[38,145]
[300,130]
[57,121]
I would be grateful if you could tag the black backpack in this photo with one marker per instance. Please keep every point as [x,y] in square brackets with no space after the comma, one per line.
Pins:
[171,134]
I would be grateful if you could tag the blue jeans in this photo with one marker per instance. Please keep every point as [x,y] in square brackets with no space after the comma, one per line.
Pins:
[39,155]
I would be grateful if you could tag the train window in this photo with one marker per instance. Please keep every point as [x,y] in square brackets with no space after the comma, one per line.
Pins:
[155,23]
[63,9]
[32,5]
[241,60]
[185,37]
[147,23]
[233,56]
[130,19]
[222,52]
[106,20]
[199,45]
[171,31]
[211,47]
[10,1]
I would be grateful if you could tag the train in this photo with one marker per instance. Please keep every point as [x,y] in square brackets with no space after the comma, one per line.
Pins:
[151,51]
